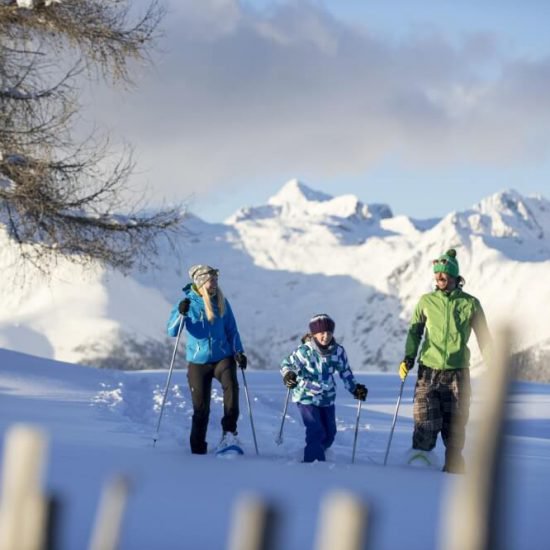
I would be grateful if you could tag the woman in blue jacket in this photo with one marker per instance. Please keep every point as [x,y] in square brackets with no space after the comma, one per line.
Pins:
[213,350]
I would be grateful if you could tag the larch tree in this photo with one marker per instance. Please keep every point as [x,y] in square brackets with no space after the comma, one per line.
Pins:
[61,197]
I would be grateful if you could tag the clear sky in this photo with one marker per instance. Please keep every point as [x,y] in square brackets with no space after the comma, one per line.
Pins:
[427,106]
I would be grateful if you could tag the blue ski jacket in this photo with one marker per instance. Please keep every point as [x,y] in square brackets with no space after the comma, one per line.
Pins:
[205,342]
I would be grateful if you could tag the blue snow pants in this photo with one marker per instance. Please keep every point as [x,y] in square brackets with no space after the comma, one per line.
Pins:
[320,423]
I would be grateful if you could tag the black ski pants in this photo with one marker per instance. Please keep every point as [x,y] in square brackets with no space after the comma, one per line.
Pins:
[200,378]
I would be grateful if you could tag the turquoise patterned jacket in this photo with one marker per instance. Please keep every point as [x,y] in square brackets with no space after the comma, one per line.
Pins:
[315,368]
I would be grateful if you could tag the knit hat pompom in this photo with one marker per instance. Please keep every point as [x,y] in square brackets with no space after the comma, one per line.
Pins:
[447,263]
[451,252]
[321,323]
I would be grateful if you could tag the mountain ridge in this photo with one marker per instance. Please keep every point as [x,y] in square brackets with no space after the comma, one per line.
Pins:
[302,253]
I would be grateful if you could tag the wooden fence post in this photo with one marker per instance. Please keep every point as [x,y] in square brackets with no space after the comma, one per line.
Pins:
[254,524]
[23,507]
[108,521]
[470,515]
[343,523]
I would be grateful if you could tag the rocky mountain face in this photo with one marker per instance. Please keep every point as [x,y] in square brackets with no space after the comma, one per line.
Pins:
[302,253]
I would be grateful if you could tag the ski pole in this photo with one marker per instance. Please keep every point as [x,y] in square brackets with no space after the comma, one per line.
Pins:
[168,380]
[279,439]
[394,421]
[356,430]
[250,412]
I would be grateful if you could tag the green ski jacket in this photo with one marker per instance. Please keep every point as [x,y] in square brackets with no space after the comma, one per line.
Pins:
[446,320]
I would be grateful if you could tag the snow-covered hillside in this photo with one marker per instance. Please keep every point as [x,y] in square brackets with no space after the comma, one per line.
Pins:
[302,253]
[101,423]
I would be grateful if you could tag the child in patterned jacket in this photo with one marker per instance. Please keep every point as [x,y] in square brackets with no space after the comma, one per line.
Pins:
[308,371]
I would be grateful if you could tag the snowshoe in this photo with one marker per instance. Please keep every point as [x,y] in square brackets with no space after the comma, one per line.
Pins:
[421,459]
[229,445]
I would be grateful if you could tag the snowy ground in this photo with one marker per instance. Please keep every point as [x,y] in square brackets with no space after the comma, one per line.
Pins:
[102,423]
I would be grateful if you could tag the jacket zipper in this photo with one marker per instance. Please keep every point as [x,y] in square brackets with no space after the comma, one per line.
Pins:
[447,316]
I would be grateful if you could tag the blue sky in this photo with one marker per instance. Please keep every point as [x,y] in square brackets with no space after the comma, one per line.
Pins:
[426,106]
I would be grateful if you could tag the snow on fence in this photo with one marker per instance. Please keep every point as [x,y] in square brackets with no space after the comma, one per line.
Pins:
[469,522]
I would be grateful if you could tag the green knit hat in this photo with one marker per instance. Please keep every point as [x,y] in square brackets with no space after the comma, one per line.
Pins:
[447,263]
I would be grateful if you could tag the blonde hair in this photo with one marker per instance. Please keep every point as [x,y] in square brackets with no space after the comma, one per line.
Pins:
[208,306]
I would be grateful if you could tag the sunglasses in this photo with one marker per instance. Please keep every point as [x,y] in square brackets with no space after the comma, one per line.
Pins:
[442,261]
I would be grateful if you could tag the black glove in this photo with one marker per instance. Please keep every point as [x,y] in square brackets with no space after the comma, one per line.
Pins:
[360,392]
[289,379]
[241,360]
[183,306]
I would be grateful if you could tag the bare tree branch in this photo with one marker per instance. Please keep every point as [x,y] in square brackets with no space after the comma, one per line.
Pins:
[56,196]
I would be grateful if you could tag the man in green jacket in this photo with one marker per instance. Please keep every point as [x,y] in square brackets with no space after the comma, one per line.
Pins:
[445,319]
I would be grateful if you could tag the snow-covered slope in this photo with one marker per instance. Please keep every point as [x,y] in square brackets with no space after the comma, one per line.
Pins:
[101,423]
[302,253]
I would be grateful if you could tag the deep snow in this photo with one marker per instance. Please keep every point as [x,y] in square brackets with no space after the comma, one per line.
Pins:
[102,423]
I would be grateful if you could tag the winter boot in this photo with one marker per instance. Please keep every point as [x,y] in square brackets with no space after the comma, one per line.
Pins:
[199,448]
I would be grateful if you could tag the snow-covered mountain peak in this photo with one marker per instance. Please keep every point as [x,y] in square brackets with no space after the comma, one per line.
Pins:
[505,203]
[297,202]
[509,214]
[295,199]
[295,192]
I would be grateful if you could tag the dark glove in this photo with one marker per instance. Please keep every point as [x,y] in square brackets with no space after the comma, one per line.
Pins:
[289,379]
[360,392]
[241,360]
[183,306]
[406,365]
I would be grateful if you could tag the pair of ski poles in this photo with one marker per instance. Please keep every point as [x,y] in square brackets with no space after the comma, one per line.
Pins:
[279,438]
[155,438]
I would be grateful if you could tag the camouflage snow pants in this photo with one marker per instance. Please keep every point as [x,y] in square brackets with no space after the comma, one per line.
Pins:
[441,404]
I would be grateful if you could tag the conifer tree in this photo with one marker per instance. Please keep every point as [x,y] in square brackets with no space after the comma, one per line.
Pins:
[60,196]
